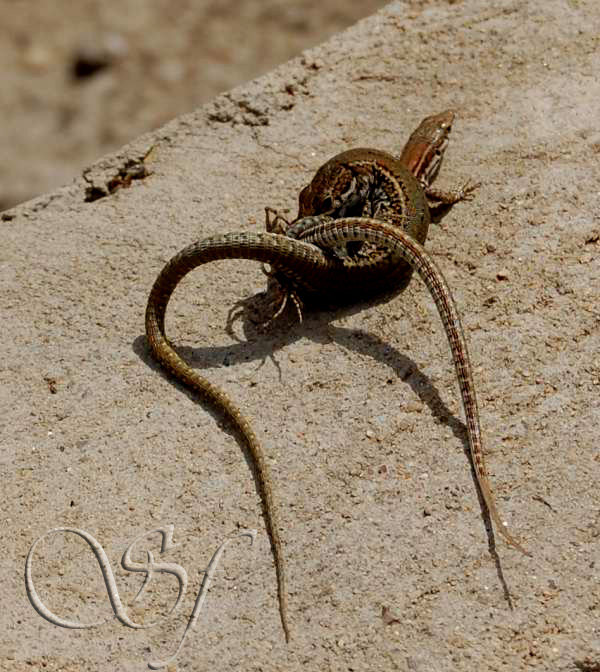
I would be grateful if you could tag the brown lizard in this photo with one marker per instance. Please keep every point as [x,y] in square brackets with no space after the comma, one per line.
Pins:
[372,183]
[392,190]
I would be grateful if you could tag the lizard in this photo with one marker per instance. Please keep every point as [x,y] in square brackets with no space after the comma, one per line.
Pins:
[370,182]
[306,260]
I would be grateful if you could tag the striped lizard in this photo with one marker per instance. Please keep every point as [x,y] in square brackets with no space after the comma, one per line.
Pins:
[372,183]
[359,232]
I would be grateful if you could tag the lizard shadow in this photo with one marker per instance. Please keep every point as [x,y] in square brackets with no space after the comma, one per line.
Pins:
[317,326]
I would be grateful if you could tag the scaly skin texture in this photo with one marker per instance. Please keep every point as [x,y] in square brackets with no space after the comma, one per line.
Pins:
[372,183]
[328,251]
[369,183]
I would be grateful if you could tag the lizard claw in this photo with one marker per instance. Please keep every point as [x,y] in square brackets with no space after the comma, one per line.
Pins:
[466,192]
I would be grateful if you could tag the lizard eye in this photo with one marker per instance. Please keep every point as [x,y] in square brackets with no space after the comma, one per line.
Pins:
[326,205]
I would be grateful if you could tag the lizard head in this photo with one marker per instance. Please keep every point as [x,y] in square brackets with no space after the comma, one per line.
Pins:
[333,191]
[425,148]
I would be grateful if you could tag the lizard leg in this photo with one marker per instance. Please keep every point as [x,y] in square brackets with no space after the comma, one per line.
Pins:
[281,293]
[452,196]
[275,222]
[440,201]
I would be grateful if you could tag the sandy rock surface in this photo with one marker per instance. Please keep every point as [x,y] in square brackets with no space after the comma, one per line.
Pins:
[390,565]
[79,79]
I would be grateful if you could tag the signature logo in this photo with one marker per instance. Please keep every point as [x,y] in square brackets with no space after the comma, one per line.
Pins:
[150,568]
